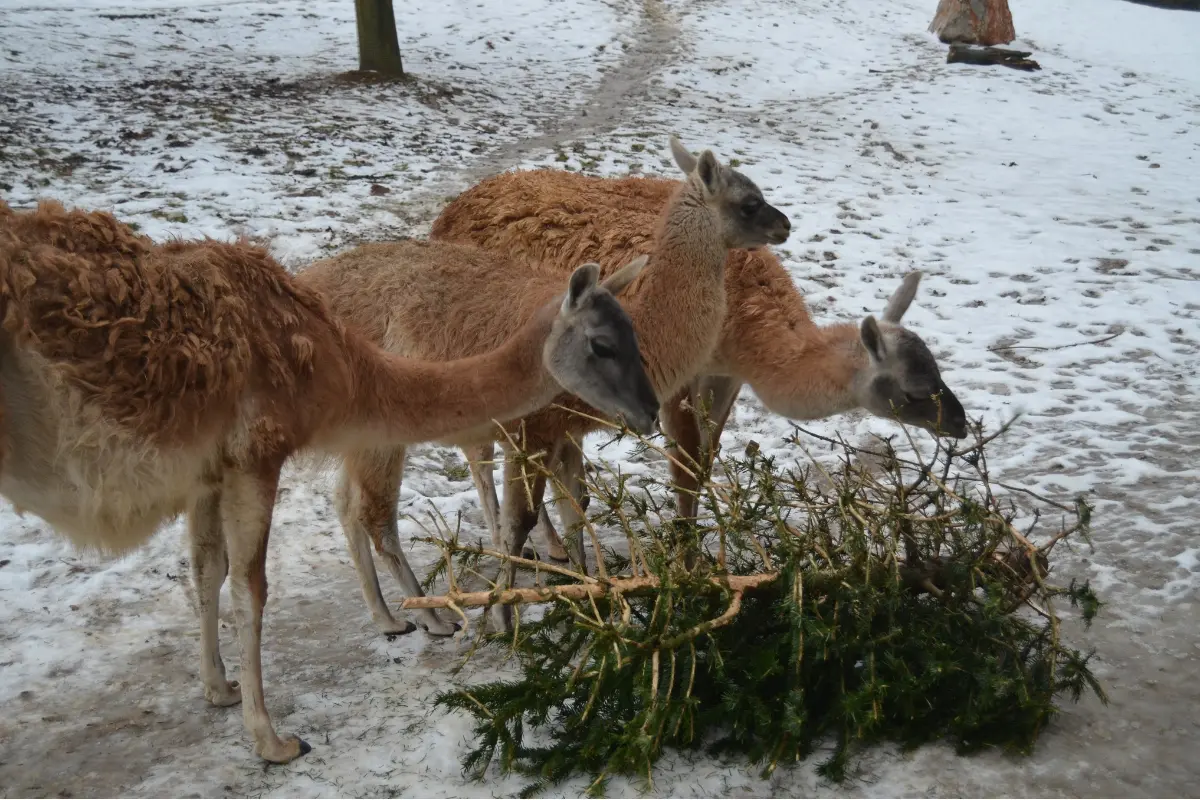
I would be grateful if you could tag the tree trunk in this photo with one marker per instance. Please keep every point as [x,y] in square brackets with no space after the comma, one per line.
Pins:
[378,48]
[985,22]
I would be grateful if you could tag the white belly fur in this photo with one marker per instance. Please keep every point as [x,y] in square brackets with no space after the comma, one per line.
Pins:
[93,482]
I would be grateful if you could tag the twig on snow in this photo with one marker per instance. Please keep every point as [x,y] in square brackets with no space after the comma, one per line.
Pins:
[1059,347]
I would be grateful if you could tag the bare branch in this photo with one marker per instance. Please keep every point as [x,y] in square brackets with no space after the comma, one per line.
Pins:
[545,594]
[1059,347]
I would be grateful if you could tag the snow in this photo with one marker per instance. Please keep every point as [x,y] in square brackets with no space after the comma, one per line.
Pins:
[1056,215]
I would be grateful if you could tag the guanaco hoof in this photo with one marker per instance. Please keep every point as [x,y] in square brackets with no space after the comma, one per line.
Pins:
[305,747]
[457,628]
[408,628]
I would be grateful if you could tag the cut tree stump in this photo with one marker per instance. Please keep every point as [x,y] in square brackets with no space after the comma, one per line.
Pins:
[986,56]
[984,22]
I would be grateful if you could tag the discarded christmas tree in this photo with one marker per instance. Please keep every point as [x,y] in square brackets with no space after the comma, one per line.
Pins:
[878,598]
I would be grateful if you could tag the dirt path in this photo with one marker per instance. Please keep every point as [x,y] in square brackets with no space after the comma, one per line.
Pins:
[648,52]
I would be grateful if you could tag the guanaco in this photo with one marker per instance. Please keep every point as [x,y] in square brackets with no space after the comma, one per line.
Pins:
[139,381]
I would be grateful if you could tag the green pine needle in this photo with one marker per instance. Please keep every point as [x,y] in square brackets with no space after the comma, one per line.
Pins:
[907,608]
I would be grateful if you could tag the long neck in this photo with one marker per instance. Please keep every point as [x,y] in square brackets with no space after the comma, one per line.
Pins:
[808,374]
[679,305]
[402,400]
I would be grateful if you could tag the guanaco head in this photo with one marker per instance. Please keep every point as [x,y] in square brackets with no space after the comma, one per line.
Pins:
[593,352]
[747,220]
[902,380]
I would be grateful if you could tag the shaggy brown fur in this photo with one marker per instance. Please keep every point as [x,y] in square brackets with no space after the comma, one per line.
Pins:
[139,381]
[797,368]
[161,340]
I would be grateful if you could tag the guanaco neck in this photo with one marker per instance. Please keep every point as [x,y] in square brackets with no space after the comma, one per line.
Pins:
[400,400]
[810,373]
[679,304]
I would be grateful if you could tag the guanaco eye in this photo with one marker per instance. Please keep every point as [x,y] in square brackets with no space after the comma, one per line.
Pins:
[751,207]
[602,349]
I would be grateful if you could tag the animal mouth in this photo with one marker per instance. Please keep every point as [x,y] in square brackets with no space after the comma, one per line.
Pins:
[779,237]
[642,423]
[952,430]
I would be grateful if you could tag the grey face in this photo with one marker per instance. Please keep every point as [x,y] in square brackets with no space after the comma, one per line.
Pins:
[596,355]
[747,220]
[903,381]
[907,385]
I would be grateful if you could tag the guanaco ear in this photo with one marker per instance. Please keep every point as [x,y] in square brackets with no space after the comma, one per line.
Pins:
[583,279]
[872,339]
[683,159]
[903,297]
[709,171]
[619,280]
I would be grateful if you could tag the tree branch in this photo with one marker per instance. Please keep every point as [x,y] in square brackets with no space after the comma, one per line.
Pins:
[1059,347]
[918,578]
[578,591]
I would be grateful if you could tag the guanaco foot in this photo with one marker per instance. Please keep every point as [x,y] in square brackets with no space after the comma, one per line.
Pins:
[392,627]
[554,551]
[281,751]
[228,694]
[436,626]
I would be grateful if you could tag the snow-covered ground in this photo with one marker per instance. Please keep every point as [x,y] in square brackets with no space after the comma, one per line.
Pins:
[1048,209]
